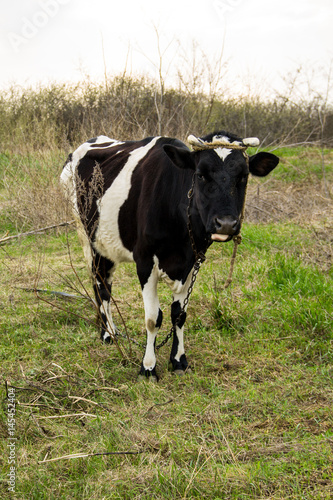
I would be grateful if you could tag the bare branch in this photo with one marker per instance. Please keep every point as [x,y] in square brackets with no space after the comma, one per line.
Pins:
[35,231]
[85,455]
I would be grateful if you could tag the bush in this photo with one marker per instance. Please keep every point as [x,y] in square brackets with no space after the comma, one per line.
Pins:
[64,115]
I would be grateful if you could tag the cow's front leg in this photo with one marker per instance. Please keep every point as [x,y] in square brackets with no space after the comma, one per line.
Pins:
[178,359]
[153,321]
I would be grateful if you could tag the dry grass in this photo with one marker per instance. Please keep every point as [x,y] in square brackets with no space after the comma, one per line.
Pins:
[304,203]
[32,195]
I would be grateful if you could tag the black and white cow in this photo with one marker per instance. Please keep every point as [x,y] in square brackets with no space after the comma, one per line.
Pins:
[131,202]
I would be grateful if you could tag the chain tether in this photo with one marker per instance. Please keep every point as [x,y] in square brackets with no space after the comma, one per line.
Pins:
[200,257]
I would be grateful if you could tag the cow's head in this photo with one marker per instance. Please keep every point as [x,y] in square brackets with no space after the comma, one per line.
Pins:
[221,168]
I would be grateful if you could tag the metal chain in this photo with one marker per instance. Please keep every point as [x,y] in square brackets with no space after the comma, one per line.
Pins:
[200,258]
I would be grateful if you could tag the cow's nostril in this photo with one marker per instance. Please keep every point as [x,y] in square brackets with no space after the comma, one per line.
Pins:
[226,225]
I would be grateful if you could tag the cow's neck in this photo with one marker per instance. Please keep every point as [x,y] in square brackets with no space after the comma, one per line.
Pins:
[199,239]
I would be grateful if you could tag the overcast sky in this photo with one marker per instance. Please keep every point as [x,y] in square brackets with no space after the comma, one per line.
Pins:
[65,40]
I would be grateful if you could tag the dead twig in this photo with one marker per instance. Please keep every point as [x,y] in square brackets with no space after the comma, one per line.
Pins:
[85,455]
[41,430]
[255,207]
[35,231]
[92,322]
[275,339]
[159,404]
[63,295]
[69,415]
[86,294]
[79,398]
[35,388]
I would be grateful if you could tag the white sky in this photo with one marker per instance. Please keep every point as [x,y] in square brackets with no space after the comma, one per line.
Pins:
[61,40]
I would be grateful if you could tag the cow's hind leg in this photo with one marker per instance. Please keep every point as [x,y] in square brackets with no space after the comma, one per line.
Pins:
[103,270]
[153,319]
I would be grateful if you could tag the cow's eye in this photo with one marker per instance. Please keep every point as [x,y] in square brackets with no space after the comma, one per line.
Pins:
[201,177]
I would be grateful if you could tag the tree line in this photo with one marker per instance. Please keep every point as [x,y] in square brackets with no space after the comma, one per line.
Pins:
[127,107]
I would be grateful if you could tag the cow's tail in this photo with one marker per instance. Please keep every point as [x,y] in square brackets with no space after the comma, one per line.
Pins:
[68,181]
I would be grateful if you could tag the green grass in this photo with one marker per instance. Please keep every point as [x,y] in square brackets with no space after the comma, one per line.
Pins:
[301,165]
[253,419]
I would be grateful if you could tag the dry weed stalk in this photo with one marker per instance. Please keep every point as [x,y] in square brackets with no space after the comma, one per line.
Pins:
[7,238]
[86,455]
[87,196]
[83,203]
[85,294]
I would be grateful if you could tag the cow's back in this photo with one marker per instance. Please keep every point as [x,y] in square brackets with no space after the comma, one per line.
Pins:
[115,188]
[117,172]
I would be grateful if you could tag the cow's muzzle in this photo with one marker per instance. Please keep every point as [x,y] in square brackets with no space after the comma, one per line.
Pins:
[225,228]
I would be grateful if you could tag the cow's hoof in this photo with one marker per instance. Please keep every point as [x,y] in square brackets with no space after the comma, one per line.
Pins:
[106,338]
[179,367]
[181,373]
[148,375]
[153,378]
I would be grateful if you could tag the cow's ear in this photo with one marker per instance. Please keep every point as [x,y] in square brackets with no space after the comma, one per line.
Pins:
[262,163]
[180,157]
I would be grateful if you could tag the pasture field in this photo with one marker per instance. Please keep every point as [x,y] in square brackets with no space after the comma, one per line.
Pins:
[253,419]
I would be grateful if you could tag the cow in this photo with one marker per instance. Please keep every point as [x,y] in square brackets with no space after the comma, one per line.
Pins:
[159,204]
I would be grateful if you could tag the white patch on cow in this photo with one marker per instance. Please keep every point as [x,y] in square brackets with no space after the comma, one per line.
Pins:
[178,288]
[223,152]
[108,242]
[224,138]
[108,143]
[82,150]
[105,308]
[180,337]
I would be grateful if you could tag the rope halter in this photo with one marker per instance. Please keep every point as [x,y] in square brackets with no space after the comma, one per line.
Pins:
[222,142]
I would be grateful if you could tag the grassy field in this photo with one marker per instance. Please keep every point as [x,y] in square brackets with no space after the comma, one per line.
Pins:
[254,418]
